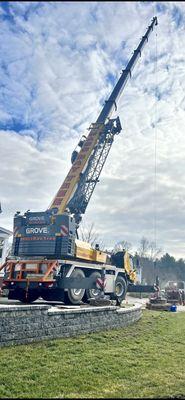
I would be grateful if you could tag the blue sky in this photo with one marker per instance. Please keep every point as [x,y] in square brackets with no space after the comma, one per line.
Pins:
[59,61]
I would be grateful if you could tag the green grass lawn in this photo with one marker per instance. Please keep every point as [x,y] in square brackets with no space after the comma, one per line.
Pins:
[144,360]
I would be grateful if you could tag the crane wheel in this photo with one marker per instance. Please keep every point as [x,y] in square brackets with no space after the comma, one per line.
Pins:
[74,296]
[120,288]
[93,293]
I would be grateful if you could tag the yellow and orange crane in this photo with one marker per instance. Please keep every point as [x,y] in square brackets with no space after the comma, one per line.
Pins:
[47,258]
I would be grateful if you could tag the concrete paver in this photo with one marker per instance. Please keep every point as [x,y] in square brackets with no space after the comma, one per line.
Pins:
[143,301]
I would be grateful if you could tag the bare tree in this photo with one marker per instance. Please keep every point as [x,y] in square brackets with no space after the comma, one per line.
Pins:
[148,249]
[122,245]
[143,247]
[88,233]
[154,251]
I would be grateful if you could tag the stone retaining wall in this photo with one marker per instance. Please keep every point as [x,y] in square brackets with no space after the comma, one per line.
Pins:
[30,323]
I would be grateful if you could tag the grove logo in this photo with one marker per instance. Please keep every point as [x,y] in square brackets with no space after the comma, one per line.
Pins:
[37,230]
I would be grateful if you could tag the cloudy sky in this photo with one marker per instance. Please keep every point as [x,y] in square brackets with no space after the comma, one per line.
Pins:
[58,64]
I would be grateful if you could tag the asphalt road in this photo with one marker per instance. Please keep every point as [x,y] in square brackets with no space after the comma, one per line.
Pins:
[129,300]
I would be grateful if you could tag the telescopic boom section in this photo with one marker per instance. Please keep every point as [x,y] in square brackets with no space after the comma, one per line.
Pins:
[80,181]
[126,73]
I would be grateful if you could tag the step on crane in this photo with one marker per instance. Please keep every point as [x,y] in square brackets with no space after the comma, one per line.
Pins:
[48,260]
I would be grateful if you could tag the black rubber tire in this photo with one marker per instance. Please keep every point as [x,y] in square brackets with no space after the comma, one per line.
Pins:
[27,297]
[120,288]
[75,296]
[93,293]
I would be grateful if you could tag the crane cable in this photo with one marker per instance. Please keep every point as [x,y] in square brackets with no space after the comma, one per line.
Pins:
[155,156]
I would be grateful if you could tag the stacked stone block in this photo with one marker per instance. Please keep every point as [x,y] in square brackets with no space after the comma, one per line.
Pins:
[21,324]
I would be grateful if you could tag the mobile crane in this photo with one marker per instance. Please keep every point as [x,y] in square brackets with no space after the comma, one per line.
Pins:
[48,260]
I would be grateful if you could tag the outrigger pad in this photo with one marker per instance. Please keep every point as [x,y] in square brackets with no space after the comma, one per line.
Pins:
[100,302]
